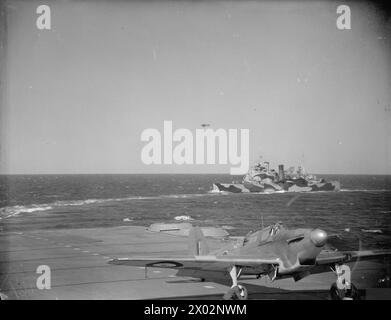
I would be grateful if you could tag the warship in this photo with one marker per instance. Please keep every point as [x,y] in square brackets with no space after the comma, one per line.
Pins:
[260,178]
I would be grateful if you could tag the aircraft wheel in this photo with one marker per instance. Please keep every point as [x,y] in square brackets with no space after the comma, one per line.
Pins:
[344,294]
[3,296]
[241,293]
[238,292]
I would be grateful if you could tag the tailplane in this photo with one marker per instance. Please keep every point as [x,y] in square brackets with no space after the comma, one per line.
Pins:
[197,242]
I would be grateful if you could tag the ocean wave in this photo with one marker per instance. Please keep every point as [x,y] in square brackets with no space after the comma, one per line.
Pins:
[372,230]
[364,190]
[7,212]
[183,218]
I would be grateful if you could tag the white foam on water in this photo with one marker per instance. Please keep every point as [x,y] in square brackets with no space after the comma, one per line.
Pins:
[11,211]
[364,190]
[183,218]
[8,212]
[372,230]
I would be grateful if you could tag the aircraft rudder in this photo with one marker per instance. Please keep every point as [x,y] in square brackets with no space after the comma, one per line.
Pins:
[198,245]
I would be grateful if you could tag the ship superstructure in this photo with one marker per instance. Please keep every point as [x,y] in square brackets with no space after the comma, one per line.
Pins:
[260,178]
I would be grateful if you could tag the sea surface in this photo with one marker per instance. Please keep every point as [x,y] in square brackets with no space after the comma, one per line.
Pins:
[359,216]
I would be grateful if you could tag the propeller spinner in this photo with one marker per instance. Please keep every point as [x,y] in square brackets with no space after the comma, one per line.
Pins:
[318,237]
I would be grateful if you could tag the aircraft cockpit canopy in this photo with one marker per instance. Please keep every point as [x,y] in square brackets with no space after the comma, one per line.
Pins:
[265,235]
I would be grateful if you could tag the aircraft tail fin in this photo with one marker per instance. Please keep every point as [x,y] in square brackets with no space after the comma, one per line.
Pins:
[198,245]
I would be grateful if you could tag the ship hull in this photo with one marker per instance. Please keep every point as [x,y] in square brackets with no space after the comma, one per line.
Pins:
[276,187]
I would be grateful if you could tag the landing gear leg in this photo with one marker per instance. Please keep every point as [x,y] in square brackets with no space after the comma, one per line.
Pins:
[237,291]
[343,289]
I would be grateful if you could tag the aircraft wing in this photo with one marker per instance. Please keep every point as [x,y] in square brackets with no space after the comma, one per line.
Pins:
[196,262]
[331,257]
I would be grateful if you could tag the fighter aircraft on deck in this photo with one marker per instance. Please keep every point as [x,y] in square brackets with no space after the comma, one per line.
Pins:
[274,251]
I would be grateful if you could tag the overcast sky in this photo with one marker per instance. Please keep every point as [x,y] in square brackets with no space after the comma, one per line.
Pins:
[78,96]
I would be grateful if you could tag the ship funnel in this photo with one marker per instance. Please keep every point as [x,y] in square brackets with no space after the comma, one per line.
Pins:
[267,166]
[281,174]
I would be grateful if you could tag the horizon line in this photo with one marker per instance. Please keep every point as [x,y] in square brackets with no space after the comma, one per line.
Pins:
[177,173]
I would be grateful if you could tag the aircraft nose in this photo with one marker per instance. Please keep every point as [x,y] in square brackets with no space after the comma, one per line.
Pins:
[318,237]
